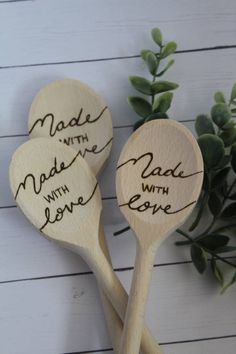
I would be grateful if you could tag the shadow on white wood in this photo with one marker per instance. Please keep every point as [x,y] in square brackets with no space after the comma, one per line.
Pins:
[58,31]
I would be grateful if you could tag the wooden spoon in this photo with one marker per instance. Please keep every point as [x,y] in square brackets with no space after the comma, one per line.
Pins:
[58,193]
[159,178]
[71,112]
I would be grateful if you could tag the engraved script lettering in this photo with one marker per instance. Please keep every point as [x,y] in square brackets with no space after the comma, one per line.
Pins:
[79,139]
[135,203]
[152,189]
[94,149]
[61,125]
[158,170]
[37,187]
[73,122]
[56,193]
[155,207]
[67,208]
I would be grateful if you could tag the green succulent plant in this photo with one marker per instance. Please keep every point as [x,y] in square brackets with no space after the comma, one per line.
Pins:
[215,246]
[157,93]
[217,141]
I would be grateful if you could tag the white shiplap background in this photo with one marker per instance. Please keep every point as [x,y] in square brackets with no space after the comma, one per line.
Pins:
[48,297]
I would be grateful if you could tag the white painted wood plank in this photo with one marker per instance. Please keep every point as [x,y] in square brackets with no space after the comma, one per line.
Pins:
[199,75]
[59,313]
[8,147]
[50,319]
[67,30]
[203,347]
[26,254]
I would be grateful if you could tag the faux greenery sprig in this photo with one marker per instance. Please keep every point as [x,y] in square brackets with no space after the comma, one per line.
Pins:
[158,91]
[217,141]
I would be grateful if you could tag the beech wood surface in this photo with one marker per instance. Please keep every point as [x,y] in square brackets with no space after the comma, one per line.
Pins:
[71,112]
[64,110]
[159,179]
[68,214]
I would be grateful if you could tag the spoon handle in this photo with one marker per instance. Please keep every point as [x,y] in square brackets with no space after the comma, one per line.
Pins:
[114,323]
[111,284]
[134,318]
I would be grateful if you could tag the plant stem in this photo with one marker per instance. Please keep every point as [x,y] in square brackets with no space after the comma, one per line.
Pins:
[121,231]
[154,76]
[182,243]
[215,217]
[229,191]
[193,241]
[204,233]
[223,227]
[200,211]
[183,233]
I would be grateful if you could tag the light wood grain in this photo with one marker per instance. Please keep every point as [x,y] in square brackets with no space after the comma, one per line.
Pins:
[158,181]
[59,195]
[114,323]
[71,112]
[67,30]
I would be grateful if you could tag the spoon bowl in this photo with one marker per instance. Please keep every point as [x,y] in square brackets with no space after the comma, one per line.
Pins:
[45,180]
[71,112]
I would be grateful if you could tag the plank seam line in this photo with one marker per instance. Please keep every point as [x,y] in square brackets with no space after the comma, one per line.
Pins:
[119,270]
[92,351]
[8,207]
[199,339]
[220,47]
[13,136]
[115,127]
[125,269]
[15,206]
[164,343]
[13,1]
